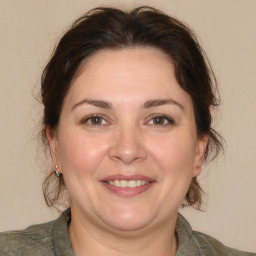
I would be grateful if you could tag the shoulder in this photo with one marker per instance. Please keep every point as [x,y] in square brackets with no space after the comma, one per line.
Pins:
[217,248]
[196,243]
[34,240]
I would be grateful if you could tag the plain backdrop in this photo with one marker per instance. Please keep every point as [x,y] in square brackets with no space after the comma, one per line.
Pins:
[29,29]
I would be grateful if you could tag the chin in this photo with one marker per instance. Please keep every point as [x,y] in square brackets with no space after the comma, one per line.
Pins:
[128,221]
[128,225]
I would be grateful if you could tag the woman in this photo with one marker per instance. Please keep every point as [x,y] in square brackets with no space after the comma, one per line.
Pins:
[127,100]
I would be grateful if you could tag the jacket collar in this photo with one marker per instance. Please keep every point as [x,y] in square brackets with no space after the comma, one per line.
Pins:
[187,245]
[61,238]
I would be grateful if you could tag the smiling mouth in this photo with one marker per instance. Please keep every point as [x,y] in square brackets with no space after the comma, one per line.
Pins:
[128,186]
[127,183]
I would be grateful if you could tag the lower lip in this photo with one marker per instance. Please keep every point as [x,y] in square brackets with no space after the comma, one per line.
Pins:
[128,192]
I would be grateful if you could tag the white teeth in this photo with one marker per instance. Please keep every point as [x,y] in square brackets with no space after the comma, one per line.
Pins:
[116,183]
[123,183]
[132,183]
[127,184]
[138,183]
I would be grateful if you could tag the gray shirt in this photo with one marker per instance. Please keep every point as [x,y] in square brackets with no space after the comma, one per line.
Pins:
[52,239]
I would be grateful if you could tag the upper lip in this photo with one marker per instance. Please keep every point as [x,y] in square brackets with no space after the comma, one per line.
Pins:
[127,177]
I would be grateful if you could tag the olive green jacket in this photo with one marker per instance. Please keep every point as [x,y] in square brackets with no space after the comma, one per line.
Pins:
[52,239]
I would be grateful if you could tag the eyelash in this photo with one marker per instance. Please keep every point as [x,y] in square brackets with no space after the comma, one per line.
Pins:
[90,118]
[167,120]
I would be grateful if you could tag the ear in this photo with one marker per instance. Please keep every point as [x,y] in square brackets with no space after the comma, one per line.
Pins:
[53,144]
[202,143]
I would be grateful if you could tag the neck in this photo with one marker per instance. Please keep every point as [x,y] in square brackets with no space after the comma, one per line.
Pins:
[88,238]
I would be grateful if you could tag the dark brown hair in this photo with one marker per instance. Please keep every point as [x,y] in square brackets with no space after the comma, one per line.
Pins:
[109,28]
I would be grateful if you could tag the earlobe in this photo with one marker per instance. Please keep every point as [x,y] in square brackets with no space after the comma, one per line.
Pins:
[201,148]
[52,144]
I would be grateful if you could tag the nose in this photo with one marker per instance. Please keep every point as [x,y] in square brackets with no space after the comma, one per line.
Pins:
[128,146]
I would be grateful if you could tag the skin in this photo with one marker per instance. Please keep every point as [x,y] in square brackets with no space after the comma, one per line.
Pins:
[129,139]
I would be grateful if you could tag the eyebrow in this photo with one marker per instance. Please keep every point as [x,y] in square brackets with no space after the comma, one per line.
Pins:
[160,102]
[147,104]
[96,103]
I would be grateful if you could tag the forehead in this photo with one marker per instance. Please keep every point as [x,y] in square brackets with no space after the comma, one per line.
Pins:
[127,74]
[124,60]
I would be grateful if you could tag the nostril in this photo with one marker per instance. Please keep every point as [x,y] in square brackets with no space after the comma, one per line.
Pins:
[127,145]
[128,156]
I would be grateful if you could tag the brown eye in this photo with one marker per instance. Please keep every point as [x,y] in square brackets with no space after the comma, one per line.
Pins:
[161,120]
[95,120]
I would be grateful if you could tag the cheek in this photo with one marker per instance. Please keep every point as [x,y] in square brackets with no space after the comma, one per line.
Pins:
[80,154]
[175,154]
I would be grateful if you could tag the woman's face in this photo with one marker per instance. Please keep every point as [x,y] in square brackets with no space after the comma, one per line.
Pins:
[126,142]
